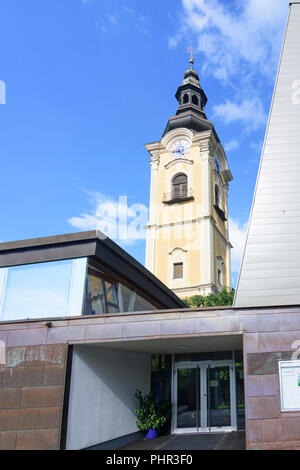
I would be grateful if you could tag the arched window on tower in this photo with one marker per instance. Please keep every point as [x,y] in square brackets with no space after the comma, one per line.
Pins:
[218,205]
[195,100]
[180,185]
[185,99]
[220,271]
[217,196]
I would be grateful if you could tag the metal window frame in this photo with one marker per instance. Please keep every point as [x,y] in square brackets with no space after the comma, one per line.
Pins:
[203,392]
[76,291]
[281,366]
[3,280]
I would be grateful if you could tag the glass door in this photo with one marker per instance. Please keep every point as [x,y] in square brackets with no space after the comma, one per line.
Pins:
[204,396]
[188,393]
[218,396]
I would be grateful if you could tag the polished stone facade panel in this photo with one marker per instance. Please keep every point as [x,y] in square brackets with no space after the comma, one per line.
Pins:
[32,384]
[32,380]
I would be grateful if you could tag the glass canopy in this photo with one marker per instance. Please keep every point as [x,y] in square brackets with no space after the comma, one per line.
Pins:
[64,289]
[42,290]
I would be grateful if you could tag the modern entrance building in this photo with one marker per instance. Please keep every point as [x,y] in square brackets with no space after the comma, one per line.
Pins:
[83,325]
[67,381]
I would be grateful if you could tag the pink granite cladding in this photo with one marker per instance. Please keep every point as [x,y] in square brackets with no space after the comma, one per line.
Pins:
[262,407]
[34,345]
[278,445]
[262,385]
[290,321]
[61,335]
[263,328]
[32,386]
[267,427]
[27,337]
[278,341]
[250,343]
[254,431]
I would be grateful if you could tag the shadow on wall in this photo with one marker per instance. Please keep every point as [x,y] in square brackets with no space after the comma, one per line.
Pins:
[102,402]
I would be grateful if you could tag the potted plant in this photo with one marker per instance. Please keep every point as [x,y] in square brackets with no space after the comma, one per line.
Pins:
[152,416]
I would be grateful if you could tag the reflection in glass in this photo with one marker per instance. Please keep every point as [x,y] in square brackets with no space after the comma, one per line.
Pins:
[142,305]
[161,373]
[63,288]
[101,295]
[132,302]
[128,297]
[42,290]
[106,296]
[219,413]
[187,401]
[204,356]
[111,298]
[95,297]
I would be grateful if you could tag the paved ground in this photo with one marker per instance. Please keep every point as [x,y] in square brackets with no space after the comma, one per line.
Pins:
[233,441]
[193,442]
[225,441]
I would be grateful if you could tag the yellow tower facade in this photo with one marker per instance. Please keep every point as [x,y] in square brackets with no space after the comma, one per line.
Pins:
[188,246]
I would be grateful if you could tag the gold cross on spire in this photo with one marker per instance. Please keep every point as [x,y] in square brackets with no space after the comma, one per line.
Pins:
[191,50]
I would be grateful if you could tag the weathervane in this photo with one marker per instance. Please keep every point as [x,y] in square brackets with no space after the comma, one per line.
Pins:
[191,50]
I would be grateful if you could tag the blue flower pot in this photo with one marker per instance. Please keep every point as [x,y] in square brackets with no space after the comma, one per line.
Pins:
[151,434]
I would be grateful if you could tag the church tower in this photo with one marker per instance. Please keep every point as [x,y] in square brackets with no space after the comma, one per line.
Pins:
[187,235]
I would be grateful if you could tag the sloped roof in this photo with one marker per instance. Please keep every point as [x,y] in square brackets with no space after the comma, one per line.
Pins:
[270,270]
[95,245]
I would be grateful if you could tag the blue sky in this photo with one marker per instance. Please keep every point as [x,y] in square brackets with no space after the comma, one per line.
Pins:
[88,82]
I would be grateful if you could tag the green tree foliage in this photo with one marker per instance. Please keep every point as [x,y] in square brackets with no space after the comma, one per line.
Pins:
[225,297]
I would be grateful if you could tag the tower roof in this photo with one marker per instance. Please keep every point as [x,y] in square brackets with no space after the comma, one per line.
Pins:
[192,100]
[96,246]
[191,77]
[270,271]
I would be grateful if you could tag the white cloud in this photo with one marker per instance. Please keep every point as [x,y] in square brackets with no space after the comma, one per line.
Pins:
[128,9]
[114,218]
[100,27]
[257,146]
[231,145]
[177,38]
[247,111]
[248,31]
[113,19]
[121,20]
[239,42]
[237,237]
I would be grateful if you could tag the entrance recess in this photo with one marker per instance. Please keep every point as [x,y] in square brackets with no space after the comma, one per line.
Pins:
[204,397]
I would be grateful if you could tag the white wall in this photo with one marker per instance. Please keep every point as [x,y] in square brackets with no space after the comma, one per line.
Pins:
[103,384]
[270,271]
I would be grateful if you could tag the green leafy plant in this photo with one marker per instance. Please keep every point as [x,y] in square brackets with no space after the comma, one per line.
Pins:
[225,297]
[151,414]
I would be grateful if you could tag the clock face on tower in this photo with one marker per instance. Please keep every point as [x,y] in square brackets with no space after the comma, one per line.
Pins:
[180,148]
